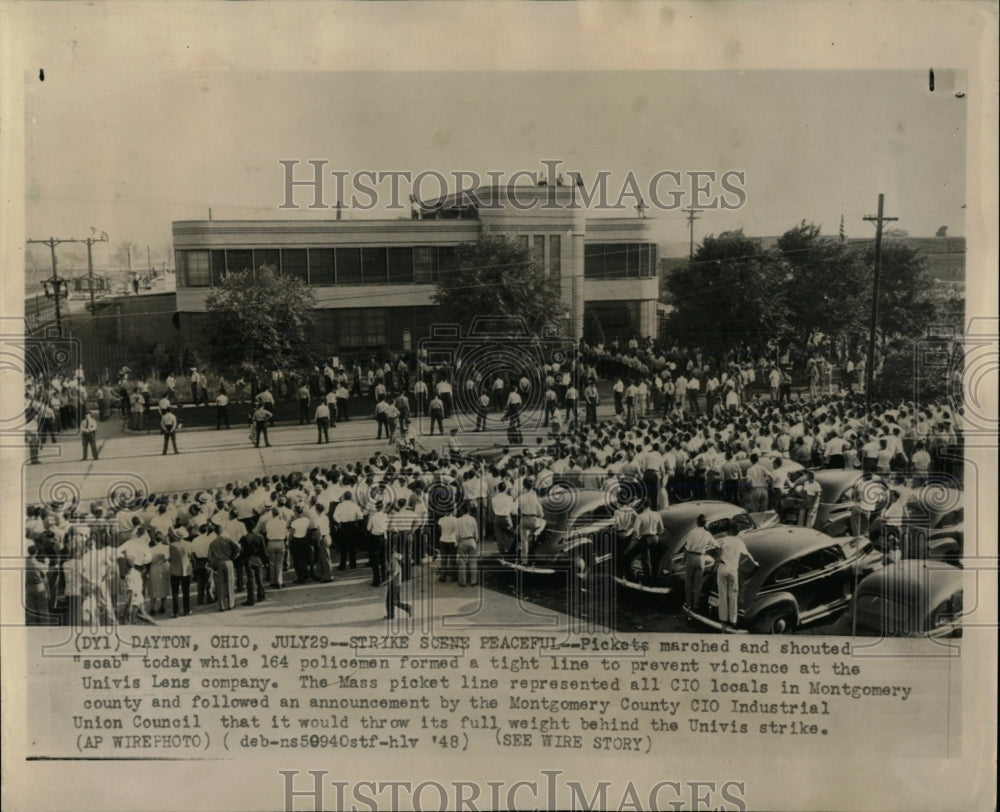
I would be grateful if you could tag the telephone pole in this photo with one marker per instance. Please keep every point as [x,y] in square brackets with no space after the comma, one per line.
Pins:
[57,282]
[878,219]
[90,265]
[691,218]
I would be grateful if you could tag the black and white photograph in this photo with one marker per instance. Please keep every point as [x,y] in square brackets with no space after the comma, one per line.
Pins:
[550,410]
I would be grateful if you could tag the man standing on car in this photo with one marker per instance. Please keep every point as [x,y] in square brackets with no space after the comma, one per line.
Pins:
[731,548]
[811,493]
[695,545]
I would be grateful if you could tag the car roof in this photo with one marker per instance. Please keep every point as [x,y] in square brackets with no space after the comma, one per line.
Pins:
[933,500]
[685,513]
[931,580]
[836,480]
[583,499]
[771,546]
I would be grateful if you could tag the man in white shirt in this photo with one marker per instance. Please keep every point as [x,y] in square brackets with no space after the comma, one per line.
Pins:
[696,545]
[348,521]
[447,548]
[648,527]
[811,495]
[758,479]
[378,527]
[467,549]
[731,548]
[502,506]
[221,410]
[528,510]
[276,532]
[88,434]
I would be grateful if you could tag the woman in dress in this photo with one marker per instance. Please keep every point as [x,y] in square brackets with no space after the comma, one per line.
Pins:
[158,583]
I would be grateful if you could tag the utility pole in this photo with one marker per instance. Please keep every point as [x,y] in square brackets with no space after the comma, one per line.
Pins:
[691,218]
[90,265]
[58,283]
[878,219]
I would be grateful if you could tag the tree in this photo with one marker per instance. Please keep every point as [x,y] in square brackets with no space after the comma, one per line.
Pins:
[261,321]
[729,295]
[825,291]
[905,301]
[496,277]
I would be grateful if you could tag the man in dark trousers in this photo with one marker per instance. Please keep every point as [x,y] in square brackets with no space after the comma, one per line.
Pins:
[168,428]
[88,434]
[261,418]
[253,555]
[348,521]
[221,410]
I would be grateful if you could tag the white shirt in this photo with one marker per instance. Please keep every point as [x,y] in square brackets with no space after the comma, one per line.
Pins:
[502,504]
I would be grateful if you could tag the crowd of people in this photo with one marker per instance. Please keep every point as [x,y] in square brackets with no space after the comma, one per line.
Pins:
[122,561]
[683,425]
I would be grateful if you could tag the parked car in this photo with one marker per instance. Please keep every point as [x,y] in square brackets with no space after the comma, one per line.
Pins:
[926,522]
[836,501]
[802,576]
[576,533]
[667,559]
[907,599]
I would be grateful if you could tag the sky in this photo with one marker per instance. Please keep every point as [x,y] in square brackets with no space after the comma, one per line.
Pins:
[129,157]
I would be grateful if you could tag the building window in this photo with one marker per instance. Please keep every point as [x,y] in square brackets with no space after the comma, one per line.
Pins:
[555,254]
[294,262]
[400,266]
[321,268]
[361,327]
[614,261]
[348,266]
[632,261]
[270,257]
[593,260]
[538,248]
[524,241]
[619,260]
[374,320]
[239,260]
[349,328]
[445,259]
[195,270]
[218,267]
[424,264]
[374,266]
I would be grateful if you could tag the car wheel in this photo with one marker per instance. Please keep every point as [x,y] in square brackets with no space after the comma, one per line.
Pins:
[777,621]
